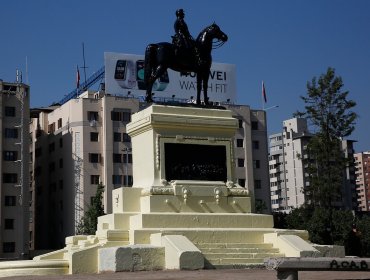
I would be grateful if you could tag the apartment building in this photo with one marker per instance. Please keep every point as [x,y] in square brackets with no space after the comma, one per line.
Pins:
[14,168]
[288,176]
[84,142]
[362,167]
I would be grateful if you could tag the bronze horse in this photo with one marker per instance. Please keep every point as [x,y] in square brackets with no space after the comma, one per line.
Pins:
[161,56]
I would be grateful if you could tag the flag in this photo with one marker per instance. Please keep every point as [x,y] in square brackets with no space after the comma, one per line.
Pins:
[264,92]
[78,77]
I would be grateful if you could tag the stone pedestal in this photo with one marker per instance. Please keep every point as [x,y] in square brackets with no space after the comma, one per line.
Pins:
[185,209]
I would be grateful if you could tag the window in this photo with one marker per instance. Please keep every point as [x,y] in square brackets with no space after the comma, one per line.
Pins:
[127,180]
[124,116]
[257,184]
[240,143]
[61,142]
[51,167]
[60,184]
[94,136]
[240,162]
[117,179]
[117,137]
[8,247]
[94,179]
[255,145]
[9,111]
[127,158]
[60,163]
[10,178]
[38,152]
[51,128]
[10,155]
[9,224]
[240,122]
[241,182]
[126,137]
[116,116]
[51,147]
[10,200]
[254,125]
[94,157]
[92,116]
[11,133]
[256,163]
[117,158]
[60,123]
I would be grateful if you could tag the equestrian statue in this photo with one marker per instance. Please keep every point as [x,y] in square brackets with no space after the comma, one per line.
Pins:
[184,55]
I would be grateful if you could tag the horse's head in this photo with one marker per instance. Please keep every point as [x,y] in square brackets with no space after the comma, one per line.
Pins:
[211,33]
[216,32]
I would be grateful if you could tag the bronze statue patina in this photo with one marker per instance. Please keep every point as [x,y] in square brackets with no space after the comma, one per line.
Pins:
[183,55]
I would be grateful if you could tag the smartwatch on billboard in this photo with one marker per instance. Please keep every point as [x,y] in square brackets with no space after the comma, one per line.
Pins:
[140,72]
[124,73]
[162,82]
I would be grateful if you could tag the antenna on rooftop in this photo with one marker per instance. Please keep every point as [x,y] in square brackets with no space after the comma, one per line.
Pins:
[27,82]
[83,56]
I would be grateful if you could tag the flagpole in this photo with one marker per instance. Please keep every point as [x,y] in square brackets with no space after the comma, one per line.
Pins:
[262,98]
[77,81]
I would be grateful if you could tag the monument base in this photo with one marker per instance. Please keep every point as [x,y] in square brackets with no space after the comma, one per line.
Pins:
[200,219]
[161,231]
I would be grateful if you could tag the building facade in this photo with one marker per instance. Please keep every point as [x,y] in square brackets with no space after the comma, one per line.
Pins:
[362,167]
[14,168]
[287,176]
[288,172]
[84,142]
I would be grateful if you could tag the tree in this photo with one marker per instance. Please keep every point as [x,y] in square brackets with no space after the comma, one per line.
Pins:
[330,113]
[89,221]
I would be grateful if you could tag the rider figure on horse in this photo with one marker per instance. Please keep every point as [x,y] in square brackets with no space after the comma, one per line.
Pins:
[182,39]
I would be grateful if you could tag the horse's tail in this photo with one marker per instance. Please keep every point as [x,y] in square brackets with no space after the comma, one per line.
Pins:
[150,60]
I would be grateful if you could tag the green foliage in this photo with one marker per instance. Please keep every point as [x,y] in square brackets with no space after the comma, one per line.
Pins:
[327,106]
[341,225]
[332,226]
[330,112]
[260,206]
[363,225]
[299,218]
[89,221]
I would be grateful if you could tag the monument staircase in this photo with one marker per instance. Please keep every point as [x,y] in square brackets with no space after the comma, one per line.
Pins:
[236,255]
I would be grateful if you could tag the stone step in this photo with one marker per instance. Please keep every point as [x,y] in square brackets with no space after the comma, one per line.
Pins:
[239,256]
[204,235]
[239,250]
[200,220]
[235,245]
[232,262]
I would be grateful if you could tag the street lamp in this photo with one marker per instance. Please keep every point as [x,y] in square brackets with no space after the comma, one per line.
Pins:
[126,150]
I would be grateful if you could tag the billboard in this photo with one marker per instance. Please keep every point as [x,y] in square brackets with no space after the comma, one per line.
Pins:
[124,75]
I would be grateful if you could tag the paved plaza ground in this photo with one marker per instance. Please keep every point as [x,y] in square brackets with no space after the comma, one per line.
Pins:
[219,274]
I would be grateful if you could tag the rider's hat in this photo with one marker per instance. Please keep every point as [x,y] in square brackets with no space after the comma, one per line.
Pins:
[180,12]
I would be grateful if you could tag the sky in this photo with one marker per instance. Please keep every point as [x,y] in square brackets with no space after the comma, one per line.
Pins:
[283,43]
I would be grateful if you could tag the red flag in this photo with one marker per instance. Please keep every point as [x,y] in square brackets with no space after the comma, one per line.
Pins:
[78,77]
[264,92]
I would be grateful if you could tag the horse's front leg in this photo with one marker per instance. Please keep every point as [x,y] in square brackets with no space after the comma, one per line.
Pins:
[199,87]
[205,88]
[149,85]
